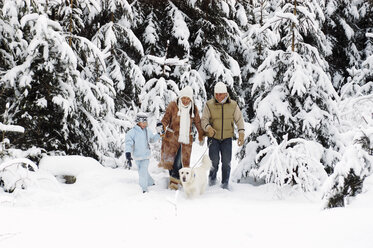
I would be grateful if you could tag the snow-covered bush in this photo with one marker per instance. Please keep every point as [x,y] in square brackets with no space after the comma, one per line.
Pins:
[76,166]
[291,162]
[349,174]
[15,174]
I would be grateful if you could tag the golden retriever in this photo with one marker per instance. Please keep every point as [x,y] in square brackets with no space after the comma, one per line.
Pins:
[194,180]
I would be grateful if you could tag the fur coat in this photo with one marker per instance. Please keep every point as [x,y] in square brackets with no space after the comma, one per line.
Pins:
[170,143]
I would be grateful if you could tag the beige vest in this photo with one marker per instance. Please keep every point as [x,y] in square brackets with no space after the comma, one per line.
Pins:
[222,117]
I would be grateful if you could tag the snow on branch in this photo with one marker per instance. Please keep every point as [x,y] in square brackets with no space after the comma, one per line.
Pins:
[100,55]
[18,161]
[11,128]
[170,61]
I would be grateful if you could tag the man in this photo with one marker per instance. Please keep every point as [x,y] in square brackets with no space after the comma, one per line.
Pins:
[218,119]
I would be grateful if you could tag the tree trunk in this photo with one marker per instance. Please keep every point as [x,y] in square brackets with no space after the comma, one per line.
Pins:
[293,27]
[165,57]
[71,22]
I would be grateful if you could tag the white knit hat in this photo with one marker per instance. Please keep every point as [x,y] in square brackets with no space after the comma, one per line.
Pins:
[220,88]
[186,92]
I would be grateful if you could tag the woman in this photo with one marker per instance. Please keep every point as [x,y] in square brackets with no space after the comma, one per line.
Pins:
[177,141]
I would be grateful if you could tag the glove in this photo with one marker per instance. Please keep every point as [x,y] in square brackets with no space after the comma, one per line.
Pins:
[210,131]
[160,129]
[129,158]
[241,138]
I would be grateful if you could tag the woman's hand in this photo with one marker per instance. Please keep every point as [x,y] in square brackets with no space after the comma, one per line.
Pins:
[201,139]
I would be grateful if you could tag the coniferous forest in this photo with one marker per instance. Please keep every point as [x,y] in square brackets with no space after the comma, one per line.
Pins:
[74,73]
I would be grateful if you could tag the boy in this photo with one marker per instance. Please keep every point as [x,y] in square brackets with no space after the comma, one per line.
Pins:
[137,143]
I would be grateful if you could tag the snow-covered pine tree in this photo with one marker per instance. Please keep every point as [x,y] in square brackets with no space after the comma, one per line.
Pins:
[9,24]
[215,43]
[159,90]
[95,95]
[293,94]
[179,33]
[12,45]
[356,92]
[148,26]
[88,22]
[41,83]
[356,122]
[357,97]
[124,51]
[64,97]
[173,69]
[257,42]
[349,174]
[197,31]
[156,95]
[95,124]
[179,51]
[68,14]
[345,27]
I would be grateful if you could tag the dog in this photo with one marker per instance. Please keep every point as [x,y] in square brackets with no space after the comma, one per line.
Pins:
[194,180]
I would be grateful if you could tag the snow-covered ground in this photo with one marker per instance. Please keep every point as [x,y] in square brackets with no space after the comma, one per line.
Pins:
[105,208]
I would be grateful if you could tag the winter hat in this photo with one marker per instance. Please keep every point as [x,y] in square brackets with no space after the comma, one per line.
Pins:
[186,92]
[220,88]
[141,117]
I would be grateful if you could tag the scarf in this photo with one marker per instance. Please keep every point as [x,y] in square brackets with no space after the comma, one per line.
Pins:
[224,100]
[184,122]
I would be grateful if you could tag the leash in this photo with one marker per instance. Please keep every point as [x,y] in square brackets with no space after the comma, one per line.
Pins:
[208,146]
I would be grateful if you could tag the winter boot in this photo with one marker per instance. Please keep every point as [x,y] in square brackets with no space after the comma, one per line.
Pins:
[212,182]
[226,186]
[174,183]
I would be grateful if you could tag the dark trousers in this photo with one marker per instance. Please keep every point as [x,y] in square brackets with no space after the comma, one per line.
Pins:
[223,148]
[174,172]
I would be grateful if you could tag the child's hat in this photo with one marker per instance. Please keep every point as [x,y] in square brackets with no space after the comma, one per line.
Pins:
[141,117]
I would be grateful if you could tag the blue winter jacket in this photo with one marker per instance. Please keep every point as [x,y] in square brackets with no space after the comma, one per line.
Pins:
[137,142]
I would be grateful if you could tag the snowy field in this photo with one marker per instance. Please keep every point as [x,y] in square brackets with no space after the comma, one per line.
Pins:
[105,208]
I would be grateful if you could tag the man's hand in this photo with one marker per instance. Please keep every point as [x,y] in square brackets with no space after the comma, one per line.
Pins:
[241,138]
[129,158]
[210,131]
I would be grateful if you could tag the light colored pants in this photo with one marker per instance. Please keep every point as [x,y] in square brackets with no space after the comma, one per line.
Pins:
[145,179]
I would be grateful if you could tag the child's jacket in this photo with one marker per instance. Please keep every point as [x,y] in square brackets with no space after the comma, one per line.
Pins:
[137,142]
